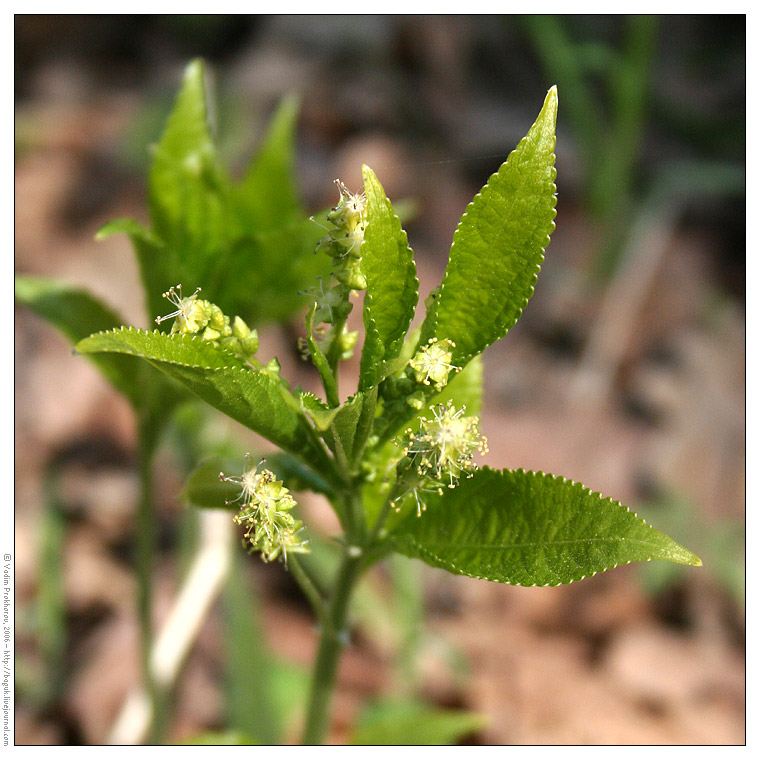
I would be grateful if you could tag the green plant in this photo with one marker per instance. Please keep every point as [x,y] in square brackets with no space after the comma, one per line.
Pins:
[395,459]
[202,226]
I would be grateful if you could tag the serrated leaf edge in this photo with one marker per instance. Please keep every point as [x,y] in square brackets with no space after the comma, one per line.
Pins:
[611,502]
[414,286]
[191,338]
[534,274]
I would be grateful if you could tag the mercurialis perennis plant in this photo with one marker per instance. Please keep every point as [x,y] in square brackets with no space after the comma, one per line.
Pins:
[397,455]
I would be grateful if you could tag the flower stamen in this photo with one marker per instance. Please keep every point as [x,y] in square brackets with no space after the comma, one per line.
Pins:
[432,363]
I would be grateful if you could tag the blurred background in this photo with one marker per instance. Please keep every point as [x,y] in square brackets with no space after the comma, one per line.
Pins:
[626,371]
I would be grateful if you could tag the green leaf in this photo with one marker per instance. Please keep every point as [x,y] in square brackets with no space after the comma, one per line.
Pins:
[353,423]
[498,246]
[259,275]
[186,350]
[183,185]
[391,296]
[267,197]
[204,489]
[222,379]
[248,245]
[414,723]
[76,314]
[345,428]
[318,412]
[188,195]
[365,421]
[530,529]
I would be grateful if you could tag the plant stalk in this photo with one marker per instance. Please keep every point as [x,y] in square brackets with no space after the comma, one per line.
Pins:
[333,353]
[333,637]
[145,550]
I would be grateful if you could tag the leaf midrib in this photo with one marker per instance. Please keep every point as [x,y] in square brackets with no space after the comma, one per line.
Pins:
[495,547]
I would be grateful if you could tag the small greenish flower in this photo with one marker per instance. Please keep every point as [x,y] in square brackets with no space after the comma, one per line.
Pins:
[240,338]
[345,235]
[351,208]
[432,363]
[440,451]
[416,400]
[265,512]
[218,325]
[272,367]
[350,274]
[332,304]
[347,342]
[191,315]
[195,316]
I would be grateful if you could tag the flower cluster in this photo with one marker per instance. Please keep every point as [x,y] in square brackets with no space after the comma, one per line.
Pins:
[432,363]
[196,316]
[345,228]
[345,235]
[431,366]
[440,451]
[265,512]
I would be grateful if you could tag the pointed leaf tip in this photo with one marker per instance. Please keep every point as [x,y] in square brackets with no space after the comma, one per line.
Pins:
[549,109]
[194,68]
[530,529]
[498,246]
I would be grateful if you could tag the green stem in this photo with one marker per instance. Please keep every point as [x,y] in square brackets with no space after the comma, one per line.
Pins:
[333,353]
[332,639]
[145,554]
[320,362]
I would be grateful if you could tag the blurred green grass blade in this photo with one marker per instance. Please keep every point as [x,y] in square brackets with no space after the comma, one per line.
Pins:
[248,673]
[409,614]
[414,723]
[50,603]
[263,693]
